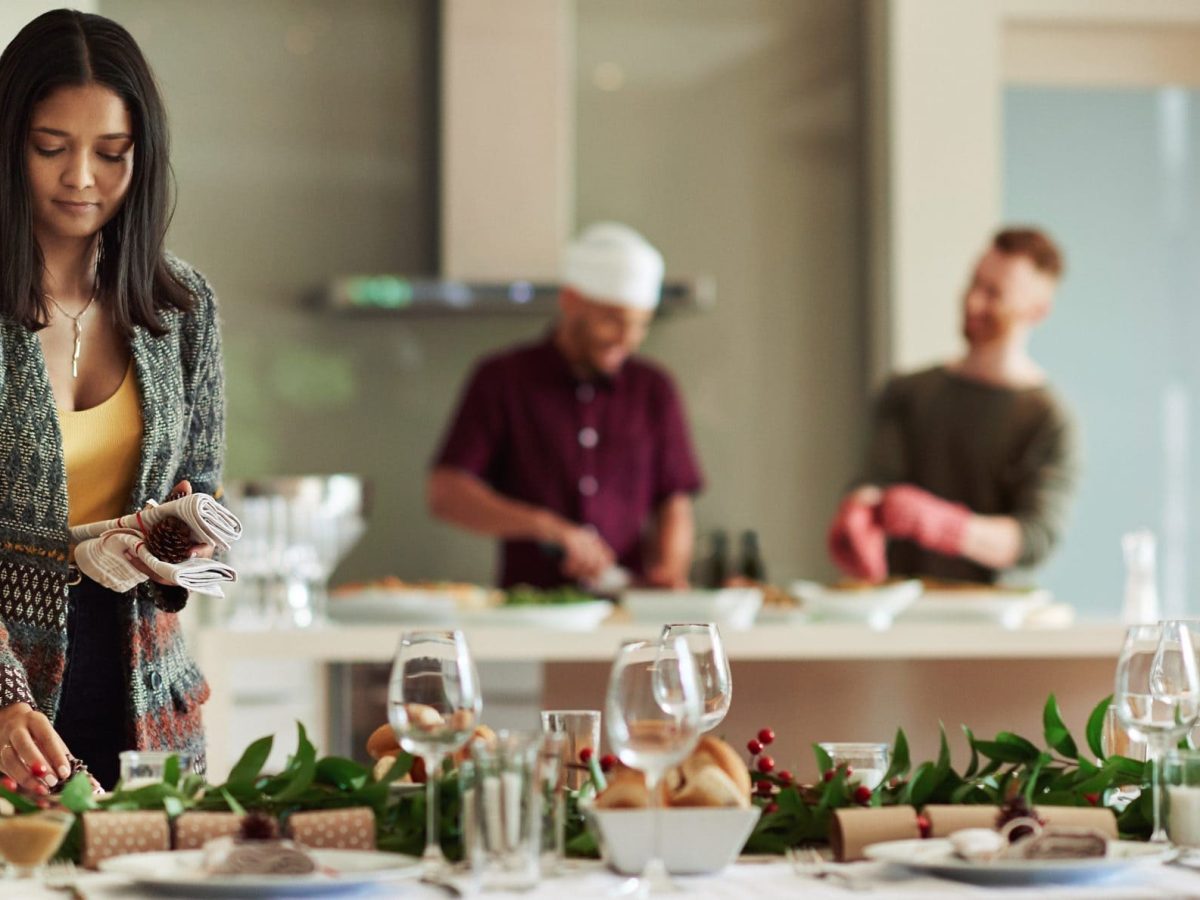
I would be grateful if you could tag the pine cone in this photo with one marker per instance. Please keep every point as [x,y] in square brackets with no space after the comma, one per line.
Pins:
[170,540]
[257,826]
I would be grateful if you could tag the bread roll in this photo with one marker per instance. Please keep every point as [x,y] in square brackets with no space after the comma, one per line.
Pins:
[382,742]
[714,775]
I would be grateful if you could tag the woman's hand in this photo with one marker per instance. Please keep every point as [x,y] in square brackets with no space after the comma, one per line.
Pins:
[31,752]
[184,488]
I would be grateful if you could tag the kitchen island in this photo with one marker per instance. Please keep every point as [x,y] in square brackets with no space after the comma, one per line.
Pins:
[808,682]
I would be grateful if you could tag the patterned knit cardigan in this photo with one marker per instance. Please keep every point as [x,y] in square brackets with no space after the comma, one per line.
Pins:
[183,409]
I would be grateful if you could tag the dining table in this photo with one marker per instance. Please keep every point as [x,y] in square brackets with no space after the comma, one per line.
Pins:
[762,878]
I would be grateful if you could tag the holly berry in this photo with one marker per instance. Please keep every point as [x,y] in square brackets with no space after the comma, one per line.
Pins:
[39,769]
[1092,799]
[766,735]
[585,755]
[849,770]
[771,807]
[862,794]
[8,784]
[765,788]
[754,746]
[765,764]
[785,776]
[608,762]
[923,825]
[828,774]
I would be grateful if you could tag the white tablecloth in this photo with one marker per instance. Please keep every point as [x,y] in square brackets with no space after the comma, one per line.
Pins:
[757,880]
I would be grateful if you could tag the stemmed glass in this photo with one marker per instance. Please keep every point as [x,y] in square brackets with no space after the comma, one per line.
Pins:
[1157,695]
[653,712]
[712,667]
[433,707]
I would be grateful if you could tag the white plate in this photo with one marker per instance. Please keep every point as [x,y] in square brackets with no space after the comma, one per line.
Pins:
[372,605]
[1008,608]
[178,872]
[936,856]
[876,606]
[582,616]
[782,615]
[733,607]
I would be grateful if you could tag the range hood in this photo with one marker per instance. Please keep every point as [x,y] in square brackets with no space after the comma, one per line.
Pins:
[506,170]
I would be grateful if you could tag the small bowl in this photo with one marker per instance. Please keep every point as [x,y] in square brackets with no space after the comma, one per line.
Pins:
[695,840]
[876,606]
[733,608]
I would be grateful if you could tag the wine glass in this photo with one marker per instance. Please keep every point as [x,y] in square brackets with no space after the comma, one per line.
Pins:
[712,667]
[653,712]
[1157,695]
[433,707]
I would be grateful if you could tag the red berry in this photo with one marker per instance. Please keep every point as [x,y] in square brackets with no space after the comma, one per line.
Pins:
[766,735]
[754,746]
[39,770]
[765,764]
[785,776]
[585,755]
[771,807]
[765,788]
[923,825]
[607,762]
[829,773]
[8,784]
[1092,799]
[862,794]
[849,770]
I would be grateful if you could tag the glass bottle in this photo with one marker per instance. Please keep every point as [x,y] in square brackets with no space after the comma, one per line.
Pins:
[752,567]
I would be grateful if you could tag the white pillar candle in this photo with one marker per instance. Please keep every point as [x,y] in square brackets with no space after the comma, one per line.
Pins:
[1183,817]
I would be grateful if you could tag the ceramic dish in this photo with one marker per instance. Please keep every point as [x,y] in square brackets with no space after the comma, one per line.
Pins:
[178,873]
[877,606]
[694,840]
[936,856]
[733,607]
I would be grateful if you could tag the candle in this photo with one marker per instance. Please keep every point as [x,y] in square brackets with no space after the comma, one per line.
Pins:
[1183,818]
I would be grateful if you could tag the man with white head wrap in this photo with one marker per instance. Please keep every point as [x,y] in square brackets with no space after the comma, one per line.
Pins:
[571,450]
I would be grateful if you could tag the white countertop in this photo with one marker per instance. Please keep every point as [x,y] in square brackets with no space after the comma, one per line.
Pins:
[377,643]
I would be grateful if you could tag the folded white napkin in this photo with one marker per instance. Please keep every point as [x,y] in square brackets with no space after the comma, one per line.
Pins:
[211,523]
[102,548]
[103,560]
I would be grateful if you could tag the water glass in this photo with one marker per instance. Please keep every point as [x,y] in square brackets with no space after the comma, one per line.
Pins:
[142,767]
[868,761]
[654,707]
[1157,695]
[712,666]
[1181,777]
[581,730]
[503,811]
[433,707]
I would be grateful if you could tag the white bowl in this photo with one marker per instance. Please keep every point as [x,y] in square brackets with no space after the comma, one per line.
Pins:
[694,840]
[876,606]
[733,607]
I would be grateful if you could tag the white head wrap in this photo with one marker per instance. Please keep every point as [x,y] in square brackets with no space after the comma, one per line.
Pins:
[611,263]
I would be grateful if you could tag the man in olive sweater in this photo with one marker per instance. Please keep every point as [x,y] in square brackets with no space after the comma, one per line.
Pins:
[972,464]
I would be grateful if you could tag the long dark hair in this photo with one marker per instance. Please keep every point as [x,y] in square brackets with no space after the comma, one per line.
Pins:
[65,48]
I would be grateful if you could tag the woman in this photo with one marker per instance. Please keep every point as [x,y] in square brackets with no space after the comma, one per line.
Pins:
[111,394]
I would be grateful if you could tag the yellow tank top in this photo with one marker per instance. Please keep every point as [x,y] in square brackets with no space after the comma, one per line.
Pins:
[103,448]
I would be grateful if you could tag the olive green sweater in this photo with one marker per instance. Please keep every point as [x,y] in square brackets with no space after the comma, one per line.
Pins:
[999,451]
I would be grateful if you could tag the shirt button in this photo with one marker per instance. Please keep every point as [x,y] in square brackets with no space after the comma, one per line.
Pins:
[589,437]
[585,393]
[588,486]
[155,681]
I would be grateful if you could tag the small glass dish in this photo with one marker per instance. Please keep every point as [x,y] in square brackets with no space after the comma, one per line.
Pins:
[30,840]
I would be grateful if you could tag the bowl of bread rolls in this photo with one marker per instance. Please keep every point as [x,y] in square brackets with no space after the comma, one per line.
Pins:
[706,813]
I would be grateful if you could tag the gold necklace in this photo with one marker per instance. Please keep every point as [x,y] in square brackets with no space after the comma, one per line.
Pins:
[77,319]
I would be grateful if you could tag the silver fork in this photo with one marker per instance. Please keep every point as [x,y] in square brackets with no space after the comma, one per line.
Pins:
[808,862]
[61,875]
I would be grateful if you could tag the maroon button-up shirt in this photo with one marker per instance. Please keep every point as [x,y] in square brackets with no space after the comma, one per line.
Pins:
[603,453]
